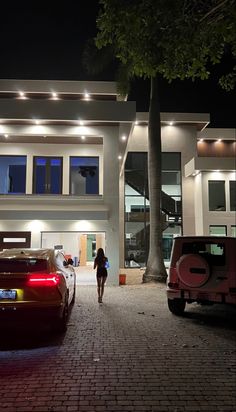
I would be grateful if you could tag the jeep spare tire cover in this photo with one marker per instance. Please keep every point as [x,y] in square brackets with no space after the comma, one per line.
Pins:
[193,270]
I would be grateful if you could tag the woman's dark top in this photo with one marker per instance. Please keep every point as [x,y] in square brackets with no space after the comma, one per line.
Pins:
[100,265]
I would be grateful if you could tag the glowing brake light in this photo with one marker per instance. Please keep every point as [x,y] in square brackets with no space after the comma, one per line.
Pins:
[41,279]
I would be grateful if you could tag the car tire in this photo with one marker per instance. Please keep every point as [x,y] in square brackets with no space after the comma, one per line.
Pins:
[60,325]
[74,295]
[177,306]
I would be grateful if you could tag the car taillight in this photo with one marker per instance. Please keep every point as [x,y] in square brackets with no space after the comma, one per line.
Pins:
[173,278]
[43,279]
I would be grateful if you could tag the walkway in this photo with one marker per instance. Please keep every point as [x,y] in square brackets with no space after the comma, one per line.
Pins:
[129,354]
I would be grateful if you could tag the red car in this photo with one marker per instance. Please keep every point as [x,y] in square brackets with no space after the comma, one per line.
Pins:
[202,270]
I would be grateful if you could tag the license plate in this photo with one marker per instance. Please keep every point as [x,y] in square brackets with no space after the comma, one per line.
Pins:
[7,294]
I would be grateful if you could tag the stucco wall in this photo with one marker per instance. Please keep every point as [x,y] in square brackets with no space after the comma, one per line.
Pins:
[109,188]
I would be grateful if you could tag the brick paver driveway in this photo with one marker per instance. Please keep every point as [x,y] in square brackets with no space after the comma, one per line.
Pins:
[129,354]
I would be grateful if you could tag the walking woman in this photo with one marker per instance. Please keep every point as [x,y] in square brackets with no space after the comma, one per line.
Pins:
[101,263]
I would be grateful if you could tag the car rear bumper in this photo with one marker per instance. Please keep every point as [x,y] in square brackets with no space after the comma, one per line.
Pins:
[31,312]
[203,296]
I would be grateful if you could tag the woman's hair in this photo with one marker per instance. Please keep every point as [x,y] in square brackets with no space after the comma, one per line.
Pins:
[100,255]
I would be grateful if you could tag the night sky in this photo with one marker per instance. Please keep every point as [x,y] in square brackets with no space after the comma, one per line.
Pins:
[46,41]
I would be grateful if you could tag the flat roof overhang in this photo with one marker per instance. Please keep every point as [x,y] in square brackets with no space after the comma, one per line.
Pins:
[209,164]
[56,207]
[199,120]
[13,110]
[58,86]
[53,215]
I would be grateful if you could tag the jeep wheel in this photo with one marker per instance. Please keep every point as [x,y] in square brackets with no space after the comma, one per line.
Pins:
[176,306]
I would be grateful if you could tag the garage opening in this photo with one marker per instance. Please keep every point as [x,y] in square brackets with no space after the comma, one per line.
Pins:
[79,246]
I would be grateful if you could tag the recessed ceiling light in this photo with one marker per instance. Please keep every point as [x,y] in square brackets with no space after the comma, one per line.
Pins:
[200,140]
[81,122]
[36,121]
[83,137]
[5,135]
[54,95]
[22,95]
[86,95]
[119,157]
[219,140]
[123,137]
[136,122]
[170,123]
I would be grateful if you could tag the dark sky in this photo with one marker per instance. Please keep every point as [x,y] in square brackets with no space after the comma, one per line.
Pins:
[45,40]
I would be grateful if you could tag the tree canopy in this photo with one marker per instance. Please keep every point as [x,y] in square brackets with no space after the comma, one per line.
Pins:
[176,39]
[173,39]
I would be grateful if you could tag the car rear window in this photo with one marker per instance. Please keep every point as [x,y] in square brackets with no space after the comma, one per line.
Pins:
[214,253]
[22,265]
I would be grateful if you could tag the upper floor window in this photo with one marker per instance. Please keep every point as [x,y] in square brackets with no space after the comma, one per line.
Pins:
[232,194]
[47,175]
[216,193]
[12,174]
[84,175]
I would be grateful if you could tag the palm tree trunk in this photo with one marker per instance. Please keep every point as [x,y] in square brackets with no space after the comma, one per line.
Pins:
[155,271]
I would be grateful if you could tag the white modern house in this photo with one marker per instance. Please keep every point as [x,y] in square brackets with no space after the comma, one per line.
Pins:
[73,173]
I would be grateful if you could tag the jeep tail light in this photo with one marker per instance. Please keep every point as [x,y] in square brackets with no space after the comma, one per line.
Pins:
[173,278]
[43,279]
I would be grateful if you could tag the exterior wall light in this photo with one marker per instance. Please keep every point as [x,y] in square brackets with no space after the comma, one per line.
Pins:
[123,137]
[83,137]
[119,157]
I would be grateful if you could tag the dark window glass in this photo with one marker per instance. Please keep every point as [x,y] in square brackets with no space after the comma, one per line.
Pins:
[12,174]
[84,176]
[23,265]
[137,205]
[216,192]
[214,253]
[47,175]
[232,193]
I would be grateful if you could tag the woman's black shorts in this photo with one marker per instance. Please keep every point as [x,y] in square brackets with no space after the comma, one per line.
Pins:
[101,272]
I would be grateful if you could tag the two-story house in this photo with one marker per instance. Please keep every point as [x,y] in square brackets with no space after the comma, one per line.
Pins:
[73,173]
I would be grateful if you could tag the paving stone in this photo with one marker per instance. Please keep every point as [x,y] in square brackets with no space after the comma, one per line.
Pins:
[119,357]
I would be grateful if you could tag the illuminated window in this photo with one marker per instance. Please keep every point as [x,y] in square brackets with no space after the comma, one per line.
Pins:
[12,174]
[84,176]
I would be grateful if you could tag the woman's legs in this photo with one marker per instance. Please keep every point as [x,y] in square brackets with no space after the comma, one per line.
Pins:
[99,281]
[104,278]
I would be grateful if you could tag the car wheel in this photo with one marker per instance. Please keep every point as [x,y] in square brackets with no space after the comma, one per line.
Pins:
[60,325]
[176,306]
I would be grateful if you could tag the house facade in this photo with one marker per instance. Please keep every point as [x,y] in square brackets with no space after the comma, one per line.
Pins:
[73,173]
